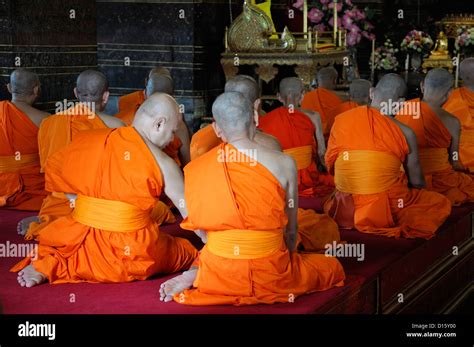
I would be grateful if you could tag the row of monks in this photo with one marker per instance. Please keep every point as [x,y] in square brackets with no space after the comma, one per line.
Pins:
[104,184]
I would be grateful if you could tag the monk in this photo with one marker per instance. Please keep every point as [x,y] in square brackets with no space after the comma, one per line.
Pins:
[21,183]
[178,149]
[135,99]
[461,104]
[57,131]
[437,133]
[366,150]
[231,192]
[117,176]
[299,132]
[359,90]
[323,98]
[314,230]
[206,138]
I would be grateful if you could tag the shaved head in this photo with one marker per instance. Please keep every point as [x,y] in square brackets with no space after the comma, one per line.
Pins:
[159,70]
[159,84]
[327,77]
[437,85]
[466,72]
[23,83]
[157,119]
[233,113]
[243,84]
[291,90]
[91,85]
[390,87]
[359,91]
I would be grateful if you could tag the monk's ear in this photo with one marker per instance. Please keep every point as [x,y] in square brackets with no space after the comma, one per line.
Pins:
[75,93]
[217,130]
[280,98]
[105,97]
[422,87]
[36,91]
[158,123]
[371,93]
[9,88]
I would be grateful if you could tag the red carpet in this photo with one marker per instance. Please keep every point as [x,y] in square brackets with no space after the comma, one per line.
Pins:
[383,256]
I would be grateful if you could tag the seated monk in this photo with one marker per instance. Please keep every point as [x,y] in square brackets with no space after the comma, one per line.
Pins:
[117,176]
[206,138]
[359,95]
[178,149]
[135,99]
[437,133]
[21,183]
[300,134]
[57,131]
[314,230]
[366,150]
[461,104]
[323,98]
[245,197]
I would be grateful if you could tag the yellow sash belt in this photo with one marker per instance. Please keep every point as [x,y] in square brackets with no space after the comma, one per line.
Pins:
[109,215]
[11,164]
[434,159]
[244,244]
[366,172]
[303,156]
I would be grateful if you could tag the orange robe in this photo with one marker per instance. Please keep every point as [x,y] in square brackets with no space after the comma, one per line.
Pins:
[294,131]
[341,108]
[461,105]
[322,100]
[366,150]
[203,141]
[434,141]
[21,183]
[127,115]
[110,236]
[55,133]
[245,260]
[131,101]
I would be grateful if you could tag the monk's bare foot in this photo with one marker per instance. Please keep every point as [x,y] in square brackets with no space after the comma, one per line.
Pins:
[177,285]
[24,224]
[29,277]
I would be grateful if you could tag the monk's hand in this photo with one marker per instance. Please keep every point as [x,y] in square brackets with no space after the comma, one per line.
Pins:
[460,167]
[202,235]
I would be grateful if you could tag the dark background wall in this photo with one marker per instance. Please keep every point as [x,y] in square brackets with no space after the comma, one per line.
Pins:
[185,36]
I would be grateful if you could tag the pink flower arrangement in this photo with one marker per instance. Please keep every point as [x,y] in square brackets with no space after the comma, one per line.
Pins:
[417,41]
[385,57]
[349,17]
[464,39]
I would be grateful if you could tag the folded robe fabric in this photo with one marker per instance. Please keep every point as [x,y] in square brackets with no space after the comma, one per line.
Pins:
[247,262]
[21,183]
[110,237]
[295,132]
[434,141]
[365,149]
[461,105]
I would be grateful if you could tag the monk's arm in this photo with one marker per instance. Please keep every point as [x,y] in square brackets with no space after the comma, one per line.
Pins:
[291,208]
[412,162]
[184,150]
[454,127]
[316,119]
[112,122]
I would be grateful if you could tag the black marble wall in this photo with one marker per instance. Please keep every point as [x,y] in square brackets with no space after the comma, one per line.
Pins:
[186,37]
[55,38]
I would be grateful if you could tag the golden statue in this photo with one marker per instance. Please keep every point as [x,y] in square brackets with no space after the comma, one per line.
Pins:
[252,31]
[440,50]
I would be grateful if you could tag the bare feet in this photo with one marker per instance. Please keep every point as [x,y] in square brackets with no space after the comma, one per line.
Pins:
[177,285]
[29,277]
[24,224]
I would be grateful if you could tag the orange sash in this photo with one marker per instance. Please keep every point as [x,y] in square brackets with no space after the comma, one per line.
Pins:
[12,164]
[302,155]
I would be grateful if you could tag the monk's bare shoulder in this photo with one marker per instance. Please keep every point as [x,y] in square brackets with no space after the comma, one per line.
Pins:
[268,141]
[450,121]
[313,115]
[110,121]
[282,166]
[35,115]
[407,132]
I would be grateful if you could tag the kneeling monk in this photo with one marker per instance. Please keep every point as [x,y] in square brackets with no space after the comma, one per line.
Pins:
[437,133]
[300,134]
[245,197]
[117,175]
[21,183]
[366,150]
